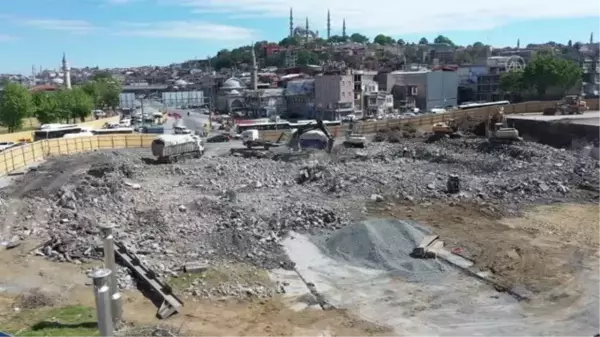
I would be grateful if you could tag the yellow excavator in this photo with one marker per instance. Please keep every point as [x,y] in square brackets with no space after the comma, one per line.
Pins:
[444,129]
[497,131]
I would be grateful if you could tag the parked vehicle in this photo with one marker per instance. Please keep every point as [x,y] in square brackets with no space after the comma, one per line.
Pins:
[172,148]
[222,138]
[6,145]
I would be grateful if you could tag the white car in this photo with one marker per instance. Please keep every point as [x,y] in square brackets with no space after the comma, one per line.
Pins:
[6,145]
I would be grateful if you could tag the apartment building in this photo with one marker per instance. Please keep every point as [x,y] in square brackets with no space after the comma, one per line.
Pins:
[423,89]
[334,95]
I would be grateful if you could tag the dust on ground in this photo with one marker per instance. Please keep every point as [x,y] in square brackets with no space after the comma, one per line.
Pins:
[541,250]
[48,289]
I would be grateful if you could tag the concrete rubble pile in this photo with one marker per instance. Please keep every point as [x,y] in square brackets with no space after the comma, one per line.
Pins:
[237,209]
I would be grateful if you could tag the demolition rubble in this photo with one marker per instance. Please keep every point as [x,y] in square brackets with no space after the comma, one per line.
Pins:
[237,209]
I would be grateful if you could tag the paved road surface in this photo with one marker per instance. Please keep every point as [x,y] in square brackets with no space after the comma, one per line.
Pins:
[587,118]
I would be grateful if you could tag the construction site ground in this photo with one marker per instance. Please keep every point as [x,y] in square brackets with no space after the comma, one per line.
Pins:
[554,244]
[177,213]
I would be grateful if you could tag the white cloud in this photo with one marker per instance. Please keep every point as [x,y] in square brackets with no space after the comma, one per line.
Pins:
[194,30]
[72,26]
[401,17]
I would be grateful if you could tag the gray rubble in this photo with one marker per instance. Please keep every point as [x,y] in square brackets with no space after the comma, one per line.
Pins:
[237,208]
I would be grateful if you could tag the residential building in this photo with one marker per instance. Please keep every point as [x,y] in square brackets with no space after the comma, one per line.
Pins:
[363,83]
[378,102]
[334,95]
[300,99]
[423,89]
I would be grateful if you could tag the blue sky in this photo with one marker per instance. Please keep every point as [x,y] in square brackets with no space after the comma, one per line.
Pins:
[111,33]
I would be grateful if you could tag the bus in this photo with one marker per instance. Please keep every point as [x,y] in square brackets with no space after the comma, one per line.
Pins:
[281,125]
[115,131]
[469,106]
[52,131]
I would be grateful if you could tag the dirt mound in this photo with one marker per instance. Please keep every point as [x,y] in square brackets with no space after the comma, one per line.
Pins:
[384,244]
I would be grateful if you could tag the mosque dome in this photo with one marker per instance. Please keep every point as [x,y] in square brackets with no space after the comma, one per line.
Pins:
[232,83]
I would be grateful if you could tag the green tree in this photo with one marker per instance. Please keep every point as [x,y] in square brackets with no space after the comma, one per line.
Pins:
[423,40]
[306,57]
[289,41]
[104,92]
[64,105]
[545,71]
[384,39]
[359,38]
[15,105]
[401,42]
[336,39]
[45,107]
[81,104]
[444,39]
[512,84]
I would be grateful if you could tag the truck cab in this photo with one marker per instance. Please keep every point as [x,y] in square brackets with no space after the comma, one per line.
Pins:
[250,136]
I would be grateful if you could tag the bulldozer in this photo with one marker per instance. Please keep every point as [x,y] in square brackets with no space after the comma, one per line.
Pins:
[569,105]
[449,129]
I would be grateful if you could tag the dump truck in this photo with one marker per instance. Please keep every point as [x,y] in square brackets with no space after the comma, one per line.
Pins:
[569,105]
[172,148]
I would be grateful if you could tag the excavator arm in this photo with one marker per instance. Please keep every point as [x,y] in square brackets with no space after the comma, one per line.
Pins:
[294,142]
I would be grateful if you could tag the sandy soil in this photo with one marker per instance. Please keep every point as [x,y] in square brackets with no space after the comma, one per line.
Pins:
[541,250]
[66,283]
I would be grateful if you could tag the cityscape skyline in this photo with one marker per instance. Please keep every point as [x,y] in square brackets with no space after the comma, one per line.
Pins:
[129,33]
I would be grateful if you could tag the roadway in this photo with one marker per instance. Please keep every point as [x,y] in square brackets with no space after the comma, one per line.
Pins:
[587,118]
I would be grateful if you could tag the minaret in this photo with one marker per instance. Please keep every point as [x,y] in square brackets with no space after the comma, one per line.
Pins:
[307,28]
[518,43]
[328,24]
[66,72]
[592,38]
[254,70]
[344,29]
[291,22]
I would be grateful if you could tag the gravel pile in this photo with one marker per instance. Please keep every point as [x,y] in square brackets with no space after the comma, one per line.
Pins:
[234,208]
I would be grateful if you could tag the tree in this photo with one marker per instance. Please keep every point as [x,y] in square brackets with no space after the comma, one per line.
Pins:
[512,83]
[359,38]
[64,105]
[545,71]
[401,42]
[383,39]
[45,107]
[443,39]
[423,41]
[336,39]
[103,92]
[15,105]
[306,57]
[81,104]
[289,41]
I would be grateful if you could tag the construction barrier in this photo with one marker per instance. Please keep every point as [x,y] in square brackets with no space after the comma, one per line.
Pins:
[94,124]
[17,158]
[20,157]
[479,114]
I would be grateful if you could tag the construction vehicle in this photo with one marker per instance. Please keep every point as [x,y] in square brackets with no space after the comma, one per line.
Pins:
[311,135]
[353,138]
[449,129]
[251,139]
[569,105]
[497,131]
[172,148]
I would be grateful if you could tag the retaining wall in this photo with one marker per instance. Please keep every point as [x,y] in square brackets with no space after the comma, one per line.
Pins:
[20,157]
[556,133]
[95,124]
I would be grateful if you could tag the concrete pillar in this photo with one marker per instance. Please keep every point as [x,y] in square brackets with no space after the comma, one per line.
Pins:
[111,264]
[103,302]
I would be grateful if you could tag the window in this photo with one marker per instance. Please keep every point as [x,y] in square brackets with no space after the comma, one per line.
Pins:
[343,94]
[342,83]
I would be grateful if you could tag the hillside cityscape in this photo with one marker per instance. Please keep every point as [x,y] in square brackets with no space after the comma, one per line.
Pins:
[305,75]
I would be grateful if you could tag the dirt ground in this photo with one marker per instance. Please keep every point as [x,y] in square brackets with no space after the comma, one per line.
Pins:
[65,284]
[540,250]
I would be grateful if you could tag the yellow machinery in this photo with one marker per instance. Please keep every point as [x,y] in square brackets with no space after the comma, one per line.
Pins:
[569,105]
